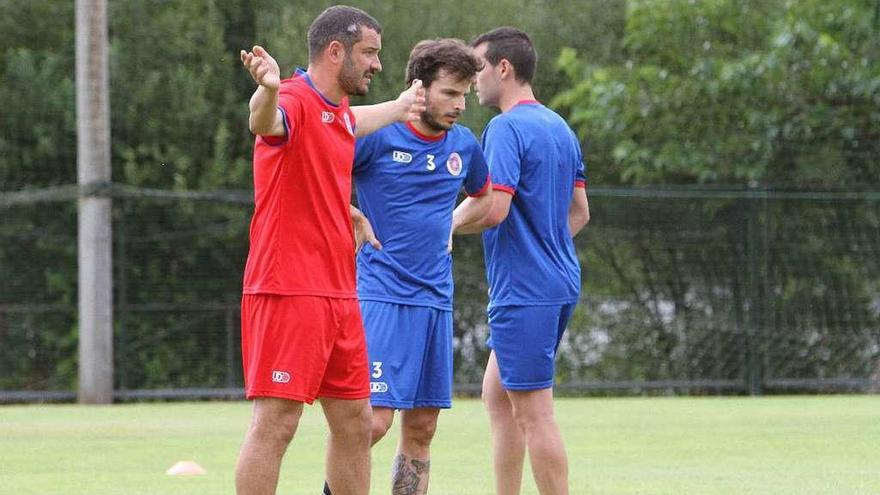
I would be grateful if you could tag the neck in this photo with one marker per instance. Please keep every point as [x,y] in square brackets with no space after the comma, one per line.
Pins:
[424,129]
[517,93]
[326,83]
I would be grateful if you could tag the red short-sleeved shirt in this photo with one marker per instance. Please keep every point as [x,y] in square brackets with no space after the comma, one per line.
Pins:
[301,233]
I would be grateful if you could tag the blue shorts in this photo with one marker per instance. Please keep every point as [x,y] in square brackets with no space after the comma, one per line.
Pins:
[525,339]
[410,355]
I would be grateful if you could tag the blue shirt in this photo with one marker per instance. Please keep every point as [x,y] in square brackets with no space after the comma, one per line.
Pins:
[407,186]
[530,256]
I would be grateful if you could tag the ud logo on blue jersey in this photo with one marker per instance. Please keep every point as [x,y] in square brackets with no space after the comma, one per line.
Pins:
[401,156]
[453,164]
[327,117]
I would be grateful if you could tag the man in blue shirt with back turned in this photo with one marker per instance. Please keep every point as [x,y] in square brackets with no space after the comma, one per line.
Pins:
[408,178]
[539,203]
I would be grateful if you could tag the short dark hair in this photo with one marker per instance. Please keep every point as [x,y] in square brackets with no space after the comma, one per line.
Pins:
[339,23]
[513,45]
[429,56]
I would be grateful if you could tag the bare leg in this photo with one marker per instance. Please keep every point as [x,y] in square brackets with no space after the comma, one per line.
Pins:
[348,450]
[508,441]
[273,424]
[412,464]
[533,410]
[382,419]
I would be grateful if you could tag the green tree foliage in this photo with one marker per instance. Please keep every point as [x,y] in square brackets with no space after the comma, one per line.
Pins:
[778,92]
[775,93]
[179,122]
[769,94]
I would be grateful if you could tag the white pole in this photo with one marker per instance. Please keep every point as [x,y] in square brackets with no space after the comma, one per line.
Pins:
[95,229]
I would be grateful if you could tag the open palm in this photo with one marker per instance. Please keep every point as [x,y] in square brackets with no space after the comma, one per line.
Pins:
[262,67]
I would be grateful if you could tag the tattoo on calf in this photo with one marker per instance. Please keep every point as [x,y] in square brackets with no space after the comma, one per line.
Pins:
[421,466]
[409,476]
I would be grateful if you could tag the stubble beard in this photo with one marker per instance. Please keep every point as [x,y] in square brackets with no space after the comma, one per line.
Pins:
[349,79]
[433,123]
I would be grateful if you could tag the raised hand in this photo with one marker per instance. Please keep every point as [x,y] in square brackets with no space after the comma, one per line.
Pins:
[262,67]
[412,101]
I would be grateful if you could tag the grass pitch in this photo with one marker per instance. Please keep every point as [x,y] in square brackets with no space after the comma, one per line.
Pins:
[827,445]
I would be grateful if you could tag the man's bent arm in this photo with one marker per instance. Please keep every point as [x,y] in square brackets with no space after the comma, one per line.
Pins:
[495,214]
[265,117]
[471,210]
[579,211]
[408,106]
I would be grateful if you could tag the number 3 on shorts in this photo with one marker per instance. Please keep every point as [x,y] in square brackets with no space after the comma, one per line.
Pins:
[377,369]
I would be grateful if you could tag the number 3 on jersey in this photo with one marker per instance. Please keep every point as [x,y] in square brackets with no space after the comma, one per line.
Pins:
[377,369]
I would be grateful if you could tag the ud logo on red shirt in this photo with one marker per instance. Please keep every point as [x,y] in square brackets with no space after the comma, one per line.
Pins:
[327,117]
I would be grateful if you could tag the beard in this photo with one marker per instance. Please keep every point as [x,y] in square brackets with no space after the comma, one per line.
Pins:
[350,79]
[434,123]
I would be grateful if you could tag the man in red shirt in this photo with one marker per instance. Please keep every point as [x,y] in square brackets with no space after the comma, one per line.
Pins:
[302,335]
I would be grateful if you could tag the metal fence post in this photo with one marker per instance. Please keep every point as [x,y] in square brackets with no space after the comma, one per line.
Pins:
[756,256]
[122,294]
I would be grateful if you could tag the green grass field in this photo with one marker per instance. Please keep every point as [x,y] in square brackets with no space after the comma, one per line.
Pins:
[773,445]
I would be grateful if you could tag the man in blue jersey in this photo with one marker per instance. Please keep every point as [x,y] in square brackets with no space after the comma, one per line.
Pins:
[408,179]
[539,204]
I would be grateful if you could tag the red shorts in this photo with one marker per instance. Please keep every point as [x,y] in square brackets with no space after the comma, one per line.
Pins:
[303,347]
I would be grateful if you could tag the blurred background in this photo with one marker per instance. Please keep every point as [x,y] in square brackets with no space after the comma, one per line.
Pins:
[733,155]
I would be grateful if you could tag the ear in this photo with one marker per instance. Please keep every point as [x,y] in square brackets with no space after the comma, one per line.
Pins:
[335,52]
[505,69]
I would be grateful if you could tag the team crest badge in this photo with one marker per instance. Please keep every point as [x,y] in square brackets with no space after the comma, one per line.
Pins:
[453,164]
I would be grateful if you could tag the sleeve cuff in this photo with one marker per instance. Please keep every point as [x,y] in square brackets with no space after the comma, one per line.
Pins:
[503,188]
[483,190]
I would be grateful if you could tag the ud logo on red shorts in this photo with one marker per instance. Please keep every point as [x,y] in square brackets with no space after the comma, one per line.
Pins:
[280,376]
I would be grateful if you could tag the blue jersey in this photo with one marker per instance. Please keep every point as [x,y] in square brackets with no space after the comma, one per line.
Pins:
[407,186]
[530,256]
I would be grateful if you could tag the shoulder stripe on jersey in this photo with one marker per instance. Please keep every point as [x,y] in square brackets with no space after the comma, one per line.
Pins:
[483,190]
[503,188]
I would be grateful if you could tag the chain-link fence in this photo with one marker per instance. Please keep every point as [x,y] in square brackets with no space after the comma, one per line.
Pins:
[699,291]
[690,290]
